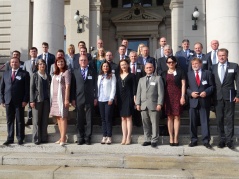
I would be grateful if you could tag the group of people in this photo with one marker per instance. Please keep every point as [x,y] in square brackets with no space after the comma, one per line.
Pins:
[141,87]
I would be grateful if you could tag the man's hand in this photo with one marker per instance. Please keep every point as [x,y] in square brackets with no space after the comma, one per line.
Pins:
[195,94]
[203,94]
[158,107]
[95,102]
[236,100]
[73,103]
[138,107]
[110,102]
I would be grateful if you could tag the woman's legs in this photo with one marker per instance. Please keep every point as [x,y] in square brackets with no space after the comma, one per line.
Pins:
[124,129]
[170,128]
[129,129]
[176,128]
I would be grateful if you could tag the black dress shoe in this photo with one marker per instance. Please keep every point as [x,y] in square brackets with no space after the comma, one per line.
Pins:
[44,142]
[153,144]
[207,145]
[221,144]
[230,145]
[20,142]
[146,143]
[7,142]
[37,143]
[88,142]
[193,144]
[81,142]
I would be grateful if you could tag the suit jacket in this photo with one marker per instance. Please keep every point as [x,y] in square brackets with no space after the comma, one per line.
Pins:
[161,65]
[222,91]
[36,88]
[139,73]
[8,67]
[184,60]
[28,67]
[84,91]
[50,60]
[149,97]
[148,59]
[206,64]
[209,60]
[76,59]
[206,84]
[16,91]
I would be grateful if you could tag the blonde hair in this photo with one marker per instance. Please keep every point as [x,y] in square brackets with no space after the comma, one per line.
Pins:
[139,48]
[71,46]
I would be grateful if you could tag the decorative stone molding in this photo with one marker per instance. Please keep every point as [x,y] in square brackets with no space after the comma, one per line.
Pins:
[176,4]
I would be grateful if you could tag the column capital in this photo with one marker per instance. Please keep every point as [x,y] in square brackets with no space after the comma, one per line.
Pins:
[176,4]
[96,6]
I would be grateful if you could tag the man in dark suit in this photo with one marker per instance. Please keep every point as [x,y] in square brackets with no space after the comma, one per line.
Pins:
[84,98]
[109,58]
[183,56]
[120,55]
[212,55]
[48,57]
[81,44]
[15,54]
[200,89]
[14,97]
[159,53]
[125,42]
[161,63]
[226,76]
[145,58]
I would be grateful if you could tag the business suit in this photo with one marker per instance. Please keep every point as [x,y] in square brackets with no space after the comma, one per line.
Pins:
[13,93]
[76,59]
[148,98]
[184,59]
[222,99]
[148,60]
[49,61]
[40,95]
[84,92]
[206,64]
[118,58]
[200,107]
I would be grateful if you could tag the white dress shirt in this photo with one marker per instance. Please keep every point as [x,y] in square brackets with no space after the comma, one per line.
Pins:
[199,73]
[220,69]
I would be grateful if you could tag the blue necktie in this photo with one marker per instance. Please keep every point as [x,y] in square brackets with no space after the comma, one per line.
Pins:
[83,73]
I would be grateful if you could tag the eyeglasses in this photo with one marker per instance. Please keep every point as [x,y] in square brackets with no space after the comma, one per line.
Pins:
[170,62]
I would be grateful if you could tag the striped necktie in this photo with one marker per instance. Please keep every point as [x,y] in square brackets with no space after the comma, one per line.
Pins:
[83,74]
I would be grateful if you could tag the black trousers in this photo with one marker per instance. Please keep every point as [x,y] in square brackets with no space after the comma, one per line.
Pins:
[84,115]
[225,110]
[202,114]
[15,111]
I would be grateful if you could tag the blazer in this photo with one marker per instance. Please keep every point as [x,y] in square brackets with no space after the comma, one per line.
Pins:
[36,88]
[151,96]
[109,87]
[139,72]
[161,65]
[50,60]
[8,67]
[76,59]
[148,60]
[206,64]
[183,60]
[83,91]
[28,67]
[222,91]
[16,91]
[206,84]
[180,75]
[209,60]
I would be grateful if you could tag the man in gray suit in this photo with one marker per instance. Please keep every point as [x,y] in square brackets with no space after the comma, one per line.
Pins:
[226,76]
[159,53]
[149,101]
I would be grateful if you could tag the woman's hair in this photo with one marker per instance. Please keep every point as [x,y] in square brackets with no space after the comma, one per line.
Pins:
[57,70]
[71,46]
[124,60]
[98,54]
[40,61]
[109,72]
[139,47]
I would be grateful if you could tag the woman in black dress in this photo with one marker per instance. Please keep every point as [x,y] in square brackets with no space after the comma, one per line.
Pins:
[126,91]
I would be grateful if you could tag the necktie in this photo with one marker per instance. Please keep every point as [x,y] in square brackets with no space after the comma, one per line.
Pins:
[147,81]
[199,56]
[214,60]
[45,60]
[33,65]
[83,73]
[222,73]
[186,54]
[13,75]
[197,78]
[133,66]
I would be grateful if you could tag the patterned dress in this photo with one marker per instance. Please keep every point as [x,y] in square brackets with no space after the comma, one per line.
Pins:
[64,79]
[172,97]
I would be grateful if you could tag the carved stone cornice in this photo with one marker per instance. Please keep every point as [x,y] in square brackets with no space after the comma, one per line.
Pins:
[176,4]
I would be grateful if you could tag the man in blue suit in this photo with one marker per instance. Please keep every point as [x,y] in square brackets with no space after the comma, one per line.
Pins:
[200,89]
[184,56]
[145,58]
[14,96]
[48,57]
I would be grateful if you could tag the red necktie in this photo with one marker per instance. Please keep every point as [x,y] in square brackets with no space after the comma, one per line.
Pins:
[13,75]
[197,78]
[133,65]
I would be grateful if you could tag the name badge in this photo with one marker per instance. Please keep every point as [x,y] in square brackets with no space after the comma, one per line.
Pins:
[139,70]
[113,71]
[18,77]
[204,82]
[230,70]
[152,83]
[89,77]
[204,62]
[174,73]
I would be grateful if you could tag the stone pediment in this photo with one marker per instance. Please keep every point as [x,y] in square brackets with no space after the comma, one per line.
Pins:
[137,14]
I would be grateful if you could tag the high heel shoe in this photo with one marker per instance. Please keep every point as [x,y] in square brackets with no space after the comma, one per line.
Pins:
[62,143]
[171,144]
[58,142]
[123,142]
[128,142]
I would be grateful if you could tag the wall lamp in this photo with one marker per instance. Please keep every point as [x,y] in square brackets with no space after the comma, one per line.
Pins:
[79,21]
[195,16]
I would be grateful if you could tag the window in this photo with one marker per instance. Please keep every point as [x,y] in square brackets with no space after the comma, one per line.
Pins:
[114,3]
[126,3]
[160,2]
[147,3]
[134,43]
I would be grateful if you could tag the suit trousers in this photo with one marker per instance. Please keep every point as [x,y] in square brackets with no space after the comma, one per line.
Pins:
[150,121]
[202,114]
[84,114]
[40,121]
[225,109]
[13,111]
[106,118]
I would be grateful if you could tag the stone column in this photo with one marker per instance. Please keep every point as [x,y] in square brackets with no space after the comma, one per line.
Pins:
[48,24]
[176,7]
[222,24]
[153,44]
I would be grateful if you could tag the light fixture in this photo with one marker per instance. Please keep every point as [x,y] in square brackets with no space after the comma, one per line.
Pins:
[79,21]
[195,16]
